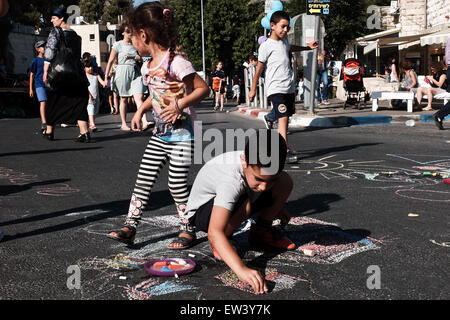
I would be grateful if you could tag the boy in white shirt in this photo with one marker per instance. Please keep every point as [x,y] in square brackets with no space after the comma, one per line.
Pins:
[274,54]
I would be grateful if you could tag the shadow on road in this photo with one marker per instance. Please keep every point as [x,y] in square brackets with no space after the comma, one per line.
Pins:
[26,153]
[94,213]
[7,190]
[322,152]
[312,204]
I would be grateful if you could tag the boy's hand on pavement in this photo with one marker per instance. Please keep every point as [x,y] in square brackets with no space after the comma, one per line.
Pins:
[254,279]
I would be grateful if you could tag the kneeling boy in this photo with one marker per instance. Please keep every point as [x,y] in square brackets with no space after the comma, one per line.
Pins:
[235,185]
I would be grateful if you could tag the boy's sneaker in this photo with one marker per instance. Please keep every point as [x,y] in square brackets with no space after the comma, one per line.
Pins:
[216,107]
[271,236]
[326,102]
[438,122]
[268,123]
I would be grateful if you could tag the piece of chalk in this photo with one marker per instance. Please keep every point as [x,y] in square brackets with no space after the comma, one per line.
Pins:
[191,255]
[179,261]
[176,276]
[447,181]
[309,252]
[413,215]
[123,278]
[160,264]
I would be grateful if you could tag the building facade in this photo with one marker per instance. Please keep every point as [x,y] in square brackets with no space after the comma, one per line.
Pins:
[404,26]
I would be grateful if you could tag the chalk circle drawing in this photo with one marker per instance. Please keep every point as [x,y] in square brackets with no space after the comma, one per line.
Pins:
[442,244]
[16,177]
[424,195]
[275,280]
[57,190]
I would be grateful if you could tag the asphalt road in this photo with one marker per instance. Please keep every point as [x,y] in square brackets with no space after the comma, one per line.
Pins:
[378,227]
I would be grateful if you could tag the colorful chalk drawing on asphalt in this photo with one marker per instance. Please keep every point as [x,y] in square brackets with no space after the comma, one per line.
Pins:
[330,243]
[407,183]
[22,179]
[275,280]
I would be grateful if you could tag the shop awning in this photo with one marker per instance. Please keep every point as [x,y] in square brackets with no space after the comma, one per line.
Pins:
[391,42]
[435,38]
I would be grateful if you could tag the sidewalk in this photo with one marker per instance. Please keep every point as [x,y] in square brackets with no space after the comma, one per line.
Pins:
[334,115]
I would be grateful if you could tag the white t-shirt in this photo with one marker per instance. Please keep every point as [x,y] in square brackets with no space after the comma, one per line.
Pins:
[221,178]
[279,74]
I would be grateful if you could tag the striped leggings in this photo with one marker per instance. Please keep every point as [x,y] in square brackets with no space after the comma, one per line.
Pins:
[180,155]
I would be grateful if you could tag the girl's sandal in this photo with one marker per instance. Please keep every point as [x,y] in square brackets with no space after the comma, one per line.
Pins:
[123,236]
[184,241]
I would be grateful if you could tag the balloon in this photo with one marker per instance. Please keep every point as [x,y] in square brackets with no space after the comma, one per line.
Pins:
[265,23]
[269,14]
[261,40]
[277,6]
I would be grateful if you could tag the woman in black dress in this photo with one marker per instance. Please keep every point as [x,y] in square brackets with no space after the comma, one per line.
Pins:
[67,103]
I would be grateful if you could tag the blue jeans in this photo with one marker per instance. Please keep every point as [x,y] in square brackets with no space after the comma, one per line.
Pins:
[322,75]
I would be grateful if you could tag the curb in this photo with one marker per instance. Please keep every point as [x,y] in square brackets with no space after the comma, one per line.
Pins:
[341,121]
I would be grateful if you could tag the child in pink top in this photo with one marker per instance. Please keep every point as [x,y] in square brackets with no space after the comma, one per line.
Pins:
[174,88]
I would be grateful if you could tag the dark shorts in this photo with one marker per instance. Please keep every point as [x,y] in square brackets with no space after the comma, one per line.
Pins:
[282,104]
[203,214]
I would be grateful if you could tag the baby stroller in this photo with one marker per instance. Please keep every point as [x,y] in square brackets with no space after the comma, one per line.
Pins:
[352,71]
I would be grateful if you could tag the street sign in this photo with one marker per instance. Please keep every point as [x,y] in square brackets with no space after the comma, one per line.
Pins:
[318,7]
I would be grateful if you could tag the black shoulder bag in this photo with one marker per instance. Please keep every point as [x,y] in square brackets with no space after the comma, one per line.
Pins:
[65,69]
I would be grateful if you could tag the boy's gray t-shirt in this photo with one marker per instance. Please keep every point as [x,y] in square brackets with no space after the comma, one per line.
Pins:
[279,74]
[221,178]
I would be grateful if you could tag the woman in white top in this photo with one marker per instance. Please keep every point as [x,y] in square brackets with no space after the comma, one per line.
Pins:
[394,71]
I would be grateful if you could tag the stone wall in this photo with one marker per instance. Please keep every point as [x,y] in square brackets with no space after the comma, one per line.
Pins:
[436,12]
[388,20]
[413,17]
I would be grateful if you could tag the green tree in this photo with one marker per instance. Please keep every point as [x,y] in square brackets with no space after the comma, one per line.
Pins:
[29,12]
[114,8]
[91,10]
[190,28]
[231,29]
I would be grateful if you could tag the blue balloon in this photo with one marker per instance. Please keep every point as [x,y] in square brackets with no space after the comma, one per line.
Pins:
[265,23]
[269,14]
[277,6]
